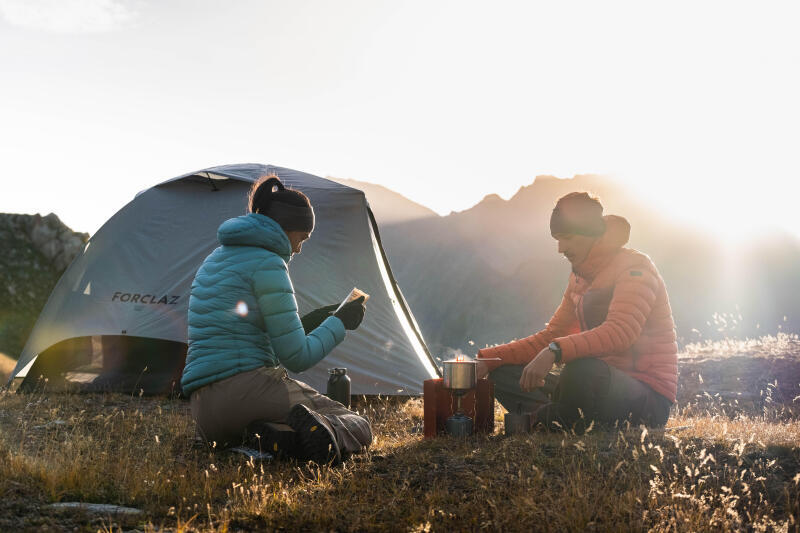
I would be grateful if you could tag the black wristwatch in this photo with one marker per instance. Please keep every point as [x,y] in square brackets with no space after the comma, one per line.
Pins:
[556,349]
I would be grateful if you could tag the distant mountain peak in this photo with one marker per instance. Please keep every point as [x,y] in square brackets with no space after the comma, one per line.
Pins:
[542,186]
[548,185]
[491,199]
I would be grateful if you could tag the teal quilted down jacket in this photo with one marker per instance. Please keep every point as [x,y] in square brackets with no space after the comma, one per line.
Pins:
[242,308]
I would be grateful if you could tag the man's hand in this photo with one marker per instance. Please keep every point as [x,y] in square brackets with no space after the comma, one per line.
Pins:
[534,372]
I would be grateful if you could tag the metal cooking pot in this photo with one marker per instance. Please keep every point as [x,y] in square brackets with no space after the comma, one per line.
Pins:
[461,374]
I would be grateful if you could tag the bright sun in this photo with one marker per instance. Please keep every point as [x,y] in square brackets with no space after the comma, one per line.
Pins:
[733,212]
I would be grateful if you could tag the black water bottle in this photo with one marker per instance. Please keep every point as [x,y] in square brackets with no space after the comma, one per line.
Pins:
[339,386]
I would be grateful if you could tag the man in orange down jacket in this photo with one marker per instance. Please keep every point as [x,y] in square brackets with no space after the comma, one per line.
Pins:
[613,332]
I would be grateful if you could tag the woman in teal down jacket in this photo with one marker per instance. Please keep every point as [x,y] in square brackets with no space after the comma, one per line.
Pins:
[244,332]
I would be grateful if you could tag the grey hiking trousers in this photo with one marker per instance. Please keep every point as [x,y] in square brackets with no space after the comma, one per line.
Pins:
[224,409]
[586,390]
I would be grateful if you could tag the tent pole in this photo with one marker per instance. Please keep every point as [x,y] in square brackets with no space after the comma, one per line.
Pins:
[396,288]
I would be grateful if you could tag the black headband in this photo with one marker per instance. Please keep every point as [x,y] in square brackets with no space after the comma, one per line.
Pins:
[588,222]
[291,217]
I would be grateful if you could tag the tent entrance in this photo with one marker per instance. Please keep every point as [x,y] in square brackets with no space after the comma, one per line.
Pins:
[113,363]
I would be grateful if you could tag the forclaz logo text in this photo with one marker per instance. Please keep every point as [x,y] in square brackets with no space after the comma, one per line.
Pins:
[136,298]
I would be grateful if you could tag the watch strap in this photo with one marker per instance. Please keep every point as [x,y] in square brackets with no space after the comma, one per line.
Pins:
[556,349]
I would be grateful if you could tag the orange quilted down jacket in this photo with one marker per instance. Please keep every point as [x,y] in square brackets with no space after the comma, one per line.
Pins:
[615,308]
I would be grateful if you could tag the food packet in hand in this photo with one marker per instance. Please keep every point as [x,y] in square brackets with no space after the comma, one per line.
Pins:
[354,295]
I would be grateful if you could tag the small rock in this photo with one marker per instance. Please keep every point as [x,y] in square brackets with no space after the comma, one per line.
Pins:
[677,428]
[250,452]
[51,424]
[95,507]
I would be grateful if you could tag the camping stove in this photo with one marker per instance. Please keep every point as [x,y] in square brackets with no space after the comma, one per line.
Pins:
[460,377]
[459,403]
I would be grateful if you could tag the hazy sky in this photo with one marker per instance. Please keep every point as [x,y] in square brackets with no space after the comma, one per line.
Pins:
[694,103]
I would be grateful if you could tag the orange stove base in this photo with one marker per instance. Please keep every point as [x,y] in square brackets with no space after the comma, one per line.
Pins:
[440,404]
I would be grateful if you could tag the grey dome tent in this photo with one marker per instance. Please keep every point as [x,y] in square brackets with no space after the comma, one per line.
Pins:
[116,320]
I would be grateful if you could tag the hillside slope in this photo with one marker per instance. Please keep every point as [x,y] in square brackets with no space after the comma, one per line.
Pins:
[388,206]
[6,366]
[37,250]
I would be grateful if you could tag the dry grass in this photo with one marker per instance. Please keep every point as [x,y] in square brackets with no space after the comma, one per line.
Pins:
[715,474]
[782,344]
[713,469]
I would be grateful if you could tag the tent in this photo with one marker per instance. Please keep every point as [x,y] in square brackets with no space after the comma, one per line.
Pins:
[116,320]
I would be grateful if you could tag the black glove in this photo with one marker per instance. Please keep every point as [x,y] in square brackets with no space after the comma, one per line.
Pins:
[352,313]
[312,320]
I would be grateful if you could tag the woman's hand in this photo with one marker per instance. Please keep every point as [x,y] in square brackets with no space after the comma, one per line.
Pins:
[352,313]
[312,320]
[534,373]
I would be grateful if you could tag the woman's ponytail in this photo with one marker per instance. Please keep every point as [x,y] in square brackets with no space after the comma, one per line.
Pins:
[262,192]
[290,208]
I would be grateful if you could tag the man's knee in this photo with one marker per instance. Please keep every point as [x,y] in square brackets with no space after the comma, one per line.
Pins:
[506,374]
[584,383]
[508,392]
[582,371]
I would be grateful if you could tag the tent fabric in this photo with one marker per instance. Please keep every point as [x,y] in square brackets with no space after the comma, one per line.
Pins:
[135,275]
